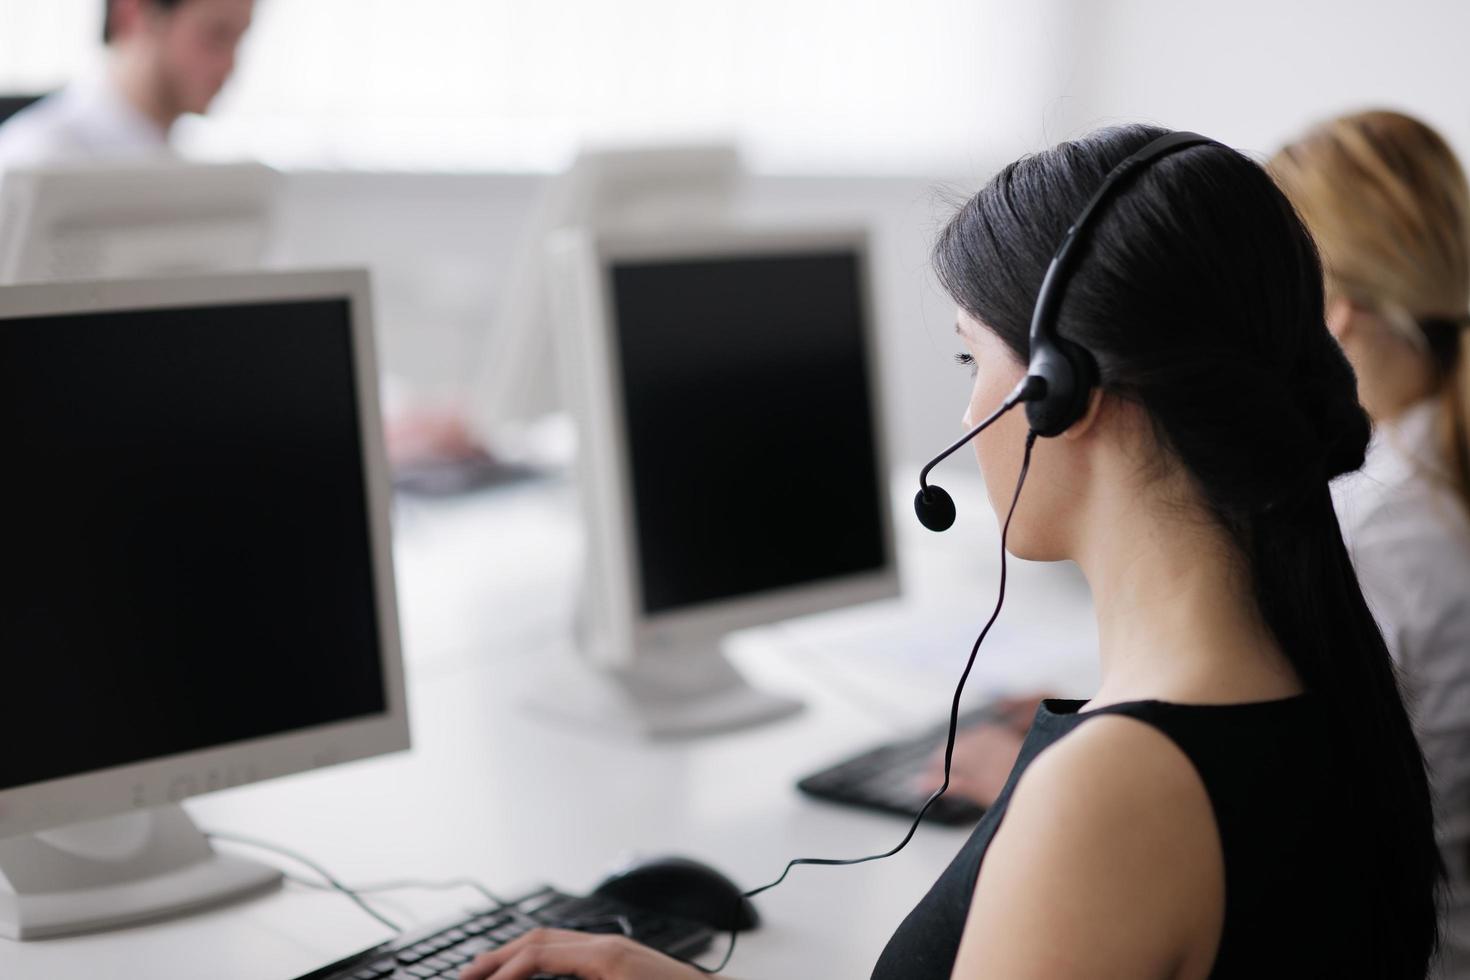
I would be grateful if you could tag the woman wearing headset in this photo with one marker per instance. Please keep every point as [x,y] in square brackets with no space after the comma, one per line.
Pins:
[1388,204]
[1243,796]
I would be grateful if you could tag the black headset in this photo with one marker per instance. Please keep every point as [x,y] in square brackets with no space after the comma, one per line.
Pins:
[1061,374]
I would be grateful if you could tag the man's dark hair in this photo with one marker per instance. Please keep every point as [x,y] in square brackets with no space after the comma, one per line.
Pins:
[107,15]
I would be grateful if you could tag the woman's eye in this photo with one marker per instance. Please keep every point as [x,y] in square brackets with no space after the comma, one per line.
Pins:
[966,360]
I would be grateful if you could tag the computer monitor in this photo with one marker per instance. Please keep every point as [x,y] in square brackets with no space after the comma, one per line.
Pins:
[642,187]
[731,454]
[201,591]
[115,221]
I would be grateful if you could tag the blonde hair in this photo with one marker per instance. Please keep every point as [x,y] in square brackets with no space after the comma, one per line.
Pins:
[1387,202]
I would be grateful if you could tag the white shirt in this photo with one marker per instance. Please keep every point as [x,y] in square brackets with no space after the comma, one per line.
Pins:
[1409,536]
[86,121]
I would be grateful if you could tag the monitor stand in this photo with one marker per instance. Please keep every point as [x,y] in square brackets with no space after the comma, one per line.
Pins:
[666,694]
[102,874]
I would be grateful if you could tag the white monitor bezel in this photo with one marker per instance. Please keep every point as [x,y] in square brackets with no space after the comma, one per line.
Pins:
[593,377]
[106,196]
[141,785]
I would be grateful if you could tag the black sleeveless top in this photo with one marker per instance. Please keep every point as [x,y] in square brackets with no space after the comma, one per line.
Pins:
[1292,897]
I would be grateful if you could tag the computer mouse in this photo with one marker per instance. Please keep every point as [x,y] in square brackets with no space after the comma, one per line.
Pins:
[685,888]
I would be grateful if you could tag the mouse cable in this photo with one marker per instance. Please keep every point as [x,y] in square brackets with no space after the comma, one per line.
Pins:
[326,875]
[354,892]
[406,884]
[954,719]
[593,923]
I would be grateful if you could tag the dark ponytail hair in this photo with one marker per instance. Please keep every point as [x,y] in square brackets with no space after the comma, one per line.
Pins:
[1199,293]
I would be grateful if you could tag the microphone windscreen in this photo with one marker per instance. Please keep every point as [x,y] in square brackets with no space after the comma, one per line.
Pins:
[935,508]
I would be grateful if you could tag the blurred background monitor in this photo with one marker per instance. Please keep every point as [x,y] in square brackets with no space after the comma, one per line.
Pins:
[642,187]
[113,221]
[731,455]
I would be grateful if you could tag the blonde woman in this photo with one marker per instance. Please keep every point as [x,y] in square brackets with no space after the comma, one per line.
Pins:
[1387,202]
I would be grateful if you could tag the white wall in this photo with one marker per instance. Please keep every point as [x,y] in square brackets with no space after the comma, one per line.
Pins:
[854,86]
[1255,72]
[814,86]
[829,86]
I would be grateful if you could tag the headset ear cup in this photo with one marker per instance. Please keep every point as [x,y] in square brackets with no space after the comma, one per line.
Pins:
[1084,371]
[1070,375]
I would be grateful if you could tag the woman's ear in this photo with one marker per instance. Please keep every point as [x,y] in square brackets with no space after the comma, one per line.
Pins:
[1342,315]
[1084,425]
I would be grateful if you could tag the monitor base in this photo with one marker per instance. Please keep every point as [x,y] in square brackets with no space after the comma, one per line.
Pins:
[669,695]
[103,874]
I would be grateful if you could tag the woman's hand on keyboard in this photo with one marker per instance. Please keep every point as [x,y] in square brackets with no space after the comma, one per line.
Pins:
[985,754]
[590,957]
[1017,712]
[983,758]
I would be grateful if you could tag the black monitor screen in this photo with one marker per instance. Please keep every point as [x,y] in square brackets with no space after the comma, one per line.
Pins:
[747,401]
[186,535]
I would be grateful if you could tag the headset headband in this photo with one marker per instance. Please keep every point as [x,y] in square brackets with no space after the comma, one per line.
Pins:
[1048,299]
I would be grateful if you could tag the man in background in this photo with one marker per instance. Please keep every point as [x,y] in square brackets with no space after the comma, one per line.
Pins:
[165,58]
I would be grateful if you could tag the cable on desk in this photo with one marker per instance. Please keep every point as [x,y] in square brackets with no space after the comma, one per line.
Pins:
[326,875]
[405,884]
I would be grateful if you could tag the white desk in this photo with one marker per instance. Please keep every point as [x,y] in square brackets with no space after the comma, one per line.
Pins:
[486,587]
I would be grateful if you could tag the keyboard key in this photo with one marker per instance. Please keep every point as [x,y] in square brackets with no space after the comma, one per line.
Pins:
[415,953]
[475,947]
[485,923]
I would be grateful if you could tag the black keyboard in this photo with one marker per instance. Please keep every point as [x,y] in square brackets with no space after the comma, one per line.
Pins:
[444,950]
[884,778]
